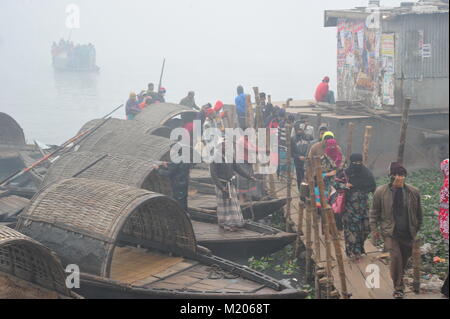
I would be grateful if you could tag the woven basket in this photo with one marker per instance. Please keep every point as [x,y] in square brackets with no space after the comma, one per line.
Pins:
[126,138]
[114,168]
[160,113]
[82,220]
[10,131]
[26,259]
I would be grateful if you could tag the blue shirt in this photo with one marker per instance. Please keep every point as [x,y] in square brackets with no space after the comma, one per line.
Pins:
[240,104]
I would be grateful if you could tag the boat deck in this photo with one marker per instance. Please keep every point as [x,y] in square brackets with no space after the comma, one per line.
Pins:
[150,269]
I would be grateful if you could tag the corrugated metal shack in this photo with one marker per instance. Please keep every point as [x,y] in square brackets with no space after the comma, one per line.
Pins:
[385,54]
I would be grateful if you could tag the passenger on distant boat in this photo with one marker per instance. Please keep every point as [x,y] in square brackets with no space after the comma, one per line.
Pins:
[190,101]
[132,106]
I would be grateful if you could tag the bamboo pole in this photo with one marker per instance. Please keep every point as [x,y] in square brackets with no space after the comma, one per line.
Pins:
[401,147]
[259,118]
[300,213]
[289,174]
[367,137]
[331,229]
[351,127]
[416,266]
[325,224]
[318,123]
[338,251]
[315,219]
[248,111]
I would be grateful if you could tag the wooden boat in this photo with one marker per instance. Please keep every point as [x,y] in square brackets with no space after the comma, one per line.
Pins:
[29,270]
[254,239]
[126,138]
[15,154]
[109,167]
[164,114]
[10,207]
[255,211]
[99,226]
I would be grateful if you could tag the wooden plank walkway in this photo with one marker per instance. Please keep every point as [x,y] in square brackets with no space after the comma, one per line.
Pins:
[356,273]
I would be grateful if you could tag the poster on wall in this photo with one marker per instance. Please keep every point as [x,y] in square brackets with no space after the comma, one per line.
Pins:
[357,61]
[388,63]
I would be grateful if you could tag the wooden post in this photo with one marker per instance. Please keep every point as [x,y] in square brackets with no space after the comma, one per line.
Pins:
[416,265]
[325,224]
[315,220]
[351,127]
[401,147]
[338,251]
[259,118]
[331,229]
[289,175]
[318,123]
[300,212]
[248,111]
[367,137]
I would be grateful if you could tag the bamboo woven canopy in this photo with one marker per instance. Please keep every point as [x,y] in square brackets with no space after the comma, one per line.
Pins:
[83,220]
[126,138]
[120,169]
[161,113]
[10,131]
[26,259]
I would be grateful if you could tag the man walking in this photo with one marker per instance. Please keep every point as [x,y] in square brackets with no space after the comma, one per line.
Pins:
[396,208]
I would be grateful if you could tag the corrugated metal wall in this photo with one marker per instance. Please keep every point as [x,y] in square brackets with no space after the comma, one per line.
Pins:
[408,56]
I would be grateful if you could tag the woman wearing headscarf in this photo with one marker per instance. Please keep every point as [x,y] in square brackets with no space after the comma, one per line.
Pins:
[443,213]
[357,181]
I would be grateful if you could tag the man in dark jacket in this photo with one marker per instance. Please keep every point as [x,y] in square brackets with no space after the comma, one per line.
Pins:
[299,146]
[396,208]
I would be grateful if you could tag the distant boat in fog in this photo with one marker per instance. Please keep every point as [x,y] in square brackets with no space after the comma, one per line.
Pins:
[67,56]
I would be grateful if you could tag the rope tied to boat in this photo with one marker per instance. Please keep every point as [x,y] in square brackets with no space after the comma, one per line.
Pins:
[215,272]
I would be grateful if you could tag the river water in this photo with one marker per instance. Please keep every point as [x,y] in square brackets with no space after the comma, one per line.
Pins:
[209,46]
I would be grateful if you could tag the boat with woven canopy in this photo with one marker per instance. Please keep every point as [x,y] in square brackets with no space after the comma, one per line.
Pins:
[29,270]
[116,168]
[253,240]
[127,138]
[133,243]
[167,114]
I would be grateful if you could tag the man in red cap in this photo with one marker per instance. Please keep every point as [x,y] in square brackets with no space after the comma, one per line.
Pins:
[323,93]
[397,210]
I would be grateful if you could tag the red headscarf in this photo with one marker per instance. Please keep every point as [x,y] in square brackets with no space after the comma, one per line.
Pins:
[333,151]
[443,211]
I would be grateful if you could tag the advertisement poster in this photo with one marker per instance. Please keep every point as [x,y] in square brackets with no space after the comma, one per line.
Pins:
[388,63]
[357,61]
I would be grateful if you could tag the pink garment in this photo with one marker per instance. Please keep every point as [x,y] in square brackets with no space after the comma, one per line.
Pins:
[333,151]
[443,207]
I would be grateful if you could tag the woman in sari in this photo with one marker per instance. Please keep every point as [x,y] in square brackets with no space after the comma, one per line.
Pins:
[357,182]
